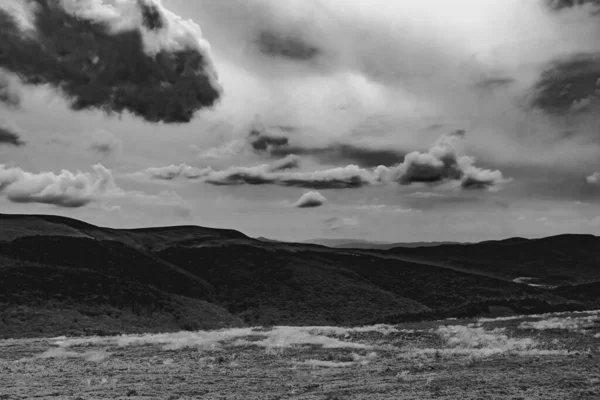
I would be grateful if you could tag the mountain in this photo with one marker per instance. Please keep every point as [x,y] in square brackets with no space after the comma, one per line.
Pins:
[60,276]
[366,244]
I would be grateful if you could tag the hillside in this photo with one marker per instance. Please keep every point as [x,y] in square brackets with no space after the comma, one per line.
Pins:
[62,276]
[557,260]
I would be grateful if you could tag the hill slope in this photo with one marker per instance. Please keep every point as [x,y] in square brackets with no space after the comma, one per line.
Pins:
[557,260]
[59,276]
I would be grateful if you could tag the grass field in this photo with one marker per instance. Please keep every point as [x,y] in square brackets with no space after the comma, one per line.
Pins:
[552,356]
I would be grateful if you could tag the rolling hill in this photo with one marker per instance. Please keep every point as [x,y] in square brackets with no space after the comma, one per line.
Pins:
[62,276]
[557,260]
[366,244]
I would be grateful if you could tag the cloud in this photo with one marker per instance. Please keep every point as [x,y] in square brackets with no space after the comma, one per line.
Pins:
[9,95]
[562,4]
[133,56]
[287,46]
[75,190]
[392,75]
[347,177]
[594,178]
[171,172]
[441,164]
[10,135]
[229,149]
[569,85]
[289,162]
[66,189]
[105,143]
[274,143]
[311,200]
[60,140]
[263,141]
[338,223]
[444,163]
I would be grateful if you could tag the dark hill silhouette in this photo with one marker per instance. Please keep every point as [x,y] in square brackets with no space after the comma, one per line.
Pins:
[62,276]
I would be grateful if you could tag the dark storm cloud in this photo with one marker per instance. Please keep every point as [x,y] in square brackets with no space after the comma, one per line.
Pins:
[568,84]
[95,67]
[286,46]
[10,135]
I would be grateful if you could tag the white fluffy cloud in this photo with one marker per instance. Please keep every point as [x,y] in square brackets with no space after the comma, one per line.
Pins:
[171,172]
[442,163]
[73,190]
[310,200]
[65,189]
[594,178]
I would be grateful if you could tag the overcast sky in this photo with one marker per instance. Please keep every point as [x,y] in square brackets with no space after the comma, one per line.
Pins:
[385,120]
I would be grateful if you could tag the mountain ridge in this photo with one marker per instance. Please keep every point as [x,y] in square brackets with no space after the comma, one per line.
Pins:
[63,276]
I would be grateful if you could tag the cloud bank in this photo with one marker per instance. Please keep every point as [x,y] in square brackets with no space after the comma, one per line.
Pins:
[132,56]
[349,83]
[443,163]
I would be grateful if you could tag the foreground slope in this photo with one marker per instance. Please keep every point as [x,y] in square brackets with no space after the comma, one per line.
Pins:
[62,276]
[540,357]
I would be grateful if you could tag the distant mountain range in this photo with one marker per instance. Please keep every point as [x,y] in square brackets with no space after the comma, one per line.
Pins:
[60,276]
[366,244]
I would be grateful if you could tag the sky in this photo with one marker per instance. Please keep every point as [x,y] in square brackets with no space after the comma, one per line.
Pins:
[386,120]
